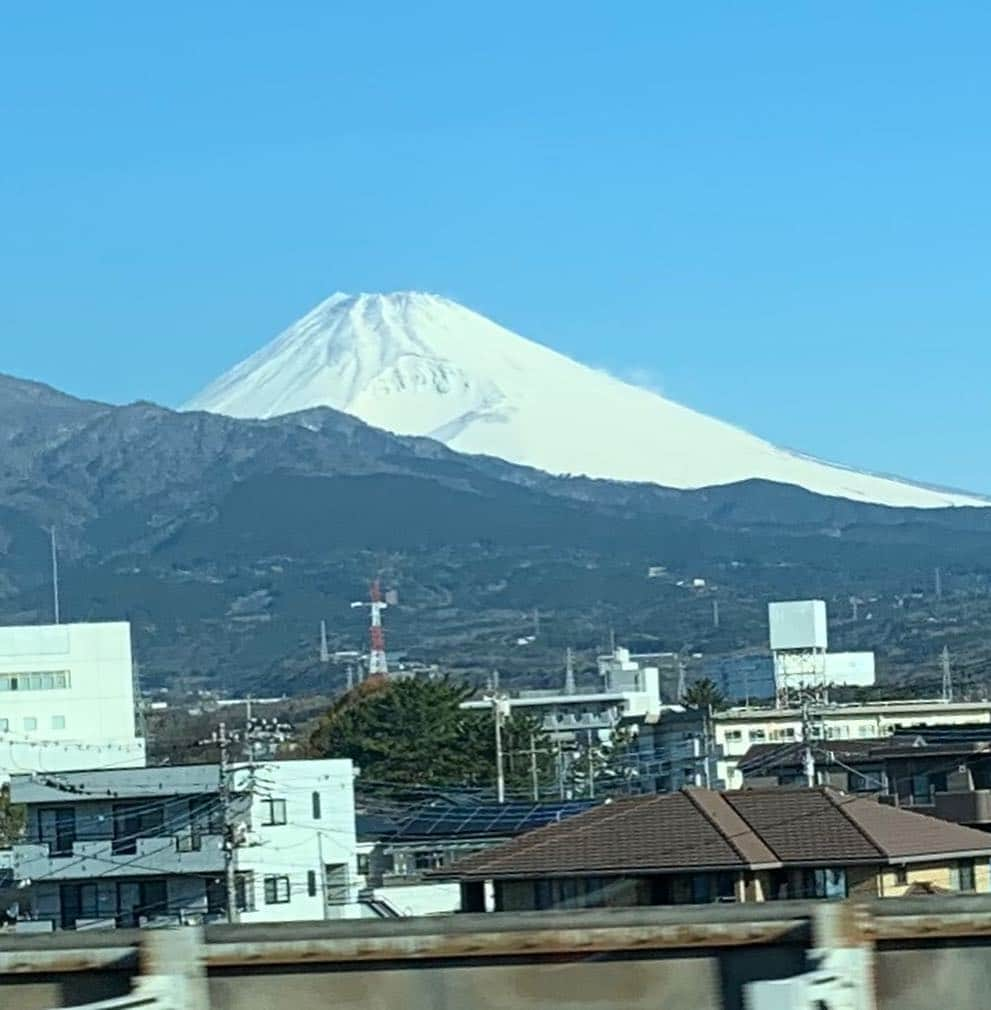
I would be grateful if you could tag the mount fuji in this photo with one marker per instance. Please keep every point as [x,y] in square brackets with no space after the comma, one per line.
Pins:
[419,364]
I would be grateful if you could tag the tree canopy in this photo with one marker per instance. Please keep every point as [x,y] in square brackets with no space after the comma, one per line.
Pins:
[705,694]
[413,732]
[11,819]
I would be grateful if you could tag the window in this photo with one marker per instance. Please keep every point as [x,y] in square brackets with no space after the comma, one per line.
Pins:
[734,734]
[336,875]
[275,812]
[965,875]
[57,826]
[30,723]
[55,680]
[316,806]
[244,891]
[901,874]
[58,722]
[311,883]
[757,734]
[133,821]
[428,860]
[364,864]
[825,883]
[276,890]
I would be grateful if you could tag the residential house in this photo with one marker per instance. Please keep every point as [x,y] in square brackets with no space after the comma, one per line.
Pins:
[945,771]
[397,852]
[700,845]
[151,846]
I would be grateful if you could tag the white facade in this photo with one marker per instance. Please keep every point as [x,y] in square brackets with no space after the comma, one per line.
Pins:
[687,747]
[629,691]
[798,625]
[734,731]
[301,844]
[799,641]
[67,698]
[150,846]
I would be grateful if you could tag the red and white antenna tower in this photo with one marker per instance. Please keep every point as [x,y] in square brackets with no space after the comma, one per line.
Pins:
[376,655]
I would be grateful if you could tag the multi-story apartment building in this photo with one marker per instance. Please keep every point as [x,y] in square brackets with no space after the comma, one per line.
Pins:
[692,747]
[154,846]
[67,698]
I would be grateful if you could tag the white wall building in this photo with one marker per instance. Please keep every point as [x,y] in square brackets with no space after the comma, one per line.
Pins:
[67,698]
[799,642]
[629,691]
[689,748]
[146,846]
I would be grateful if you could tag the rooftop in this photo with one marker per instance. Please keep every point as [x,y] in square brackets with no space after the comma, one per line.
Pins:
[702,829]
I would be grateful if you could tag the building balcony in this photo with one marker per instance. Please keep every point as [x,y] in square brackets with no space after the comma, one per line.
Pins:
[972,806]
[165,855]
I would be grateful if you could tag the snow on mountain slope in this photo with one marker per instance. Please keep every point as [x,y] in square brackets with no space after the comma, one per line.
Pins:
[419,364]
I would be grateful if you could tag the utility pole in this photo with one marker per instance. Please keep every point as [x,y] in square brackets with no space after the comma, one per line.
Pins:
[591,768]
[947,674]
[534,777]
[808,757]
[569,671]
[560,769]
[55,599]
[230,840]
[500,707]
[715,613]
[324,651]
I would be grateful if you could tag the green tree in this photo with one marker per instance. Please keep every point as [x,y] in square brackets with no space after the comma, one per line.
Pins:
[413,732]
[11,819]
[705,694]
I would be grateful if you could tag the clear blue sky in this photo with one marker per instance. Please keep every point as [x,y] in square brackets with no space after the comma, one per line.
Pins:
[778,212]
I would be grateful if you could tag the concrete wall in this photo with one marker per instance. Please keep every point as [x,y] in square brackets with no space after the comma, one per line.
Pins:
[87,723]
[928,952]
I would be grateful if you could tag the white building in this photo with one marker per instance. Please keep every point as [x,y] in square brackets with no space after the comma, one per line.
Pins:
[629,691]
[690,748]
[67,698]
[799,642]
[150,846]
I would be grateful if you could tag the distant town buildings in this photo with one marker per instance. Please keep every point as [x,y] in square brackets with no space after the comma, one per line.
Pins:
[696,747]
[629,691]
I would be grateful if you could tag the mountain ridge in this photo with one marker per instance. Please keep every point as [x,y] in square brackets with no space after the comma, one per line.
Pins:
[225,542]
[419,364]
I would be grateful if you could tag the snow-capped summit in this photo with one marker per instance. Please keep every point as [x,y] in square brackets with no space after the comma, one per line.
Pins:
[419,364]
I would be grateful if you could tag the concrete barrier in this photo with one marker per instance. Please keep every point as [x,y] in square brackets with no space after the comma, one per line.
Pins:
[925,953]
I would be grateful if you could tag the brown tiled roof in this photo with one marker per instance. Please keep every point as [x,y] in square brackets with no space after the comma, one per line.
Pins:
[699,829]
[903,834]
[803,825]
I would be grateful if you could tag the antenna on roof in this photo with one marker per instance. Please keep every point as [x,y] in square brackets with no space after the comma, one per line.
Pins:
[55,600]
